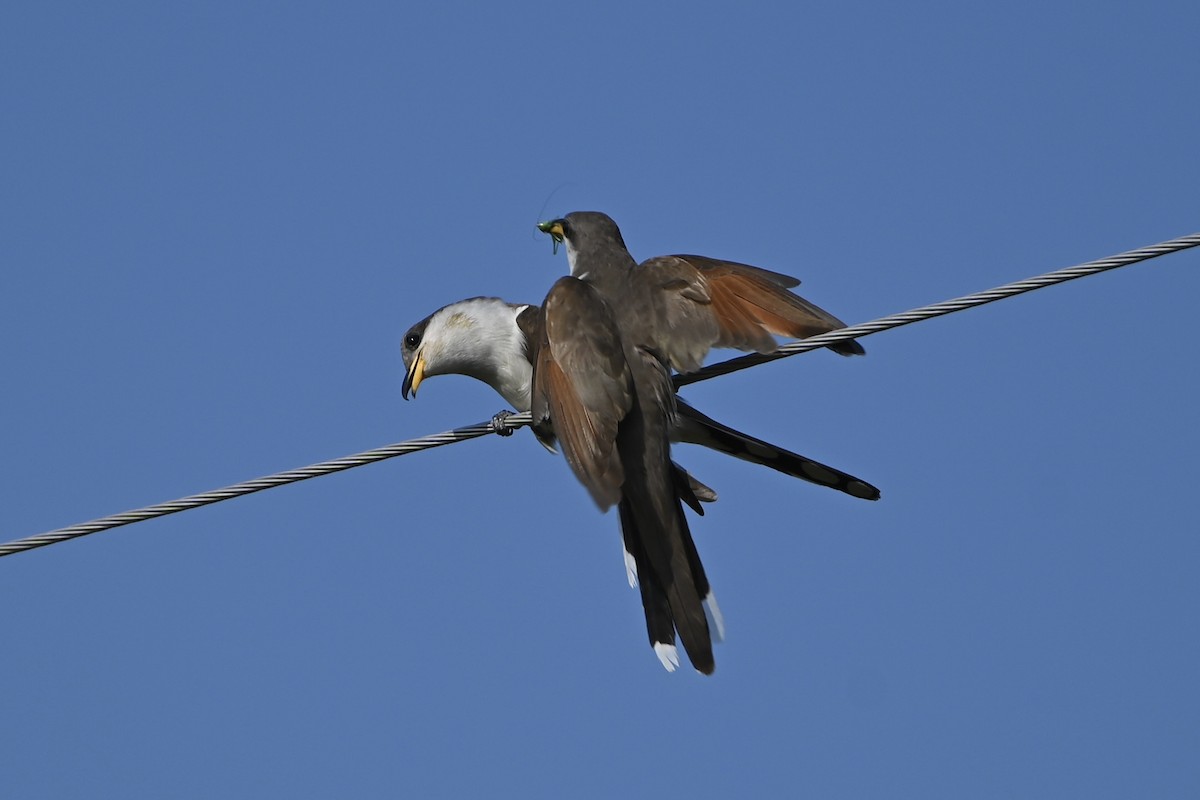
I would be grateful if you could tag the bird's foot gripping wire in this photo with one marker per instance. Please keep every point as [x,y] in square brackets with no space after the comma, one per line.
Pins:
[500,423]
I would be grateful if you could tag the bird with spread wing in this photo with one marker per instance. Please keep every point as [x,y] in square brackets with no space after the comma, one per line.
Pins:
[593,364]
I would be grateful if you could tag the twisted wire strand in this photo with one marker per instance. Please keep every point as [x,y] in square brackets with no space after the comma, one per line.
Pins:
[258,484]
[511,422]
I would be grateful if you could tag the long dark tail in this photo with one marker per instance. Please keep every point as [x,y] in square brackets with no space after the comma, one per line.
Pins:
[656,533]
[662,602]
[697,428]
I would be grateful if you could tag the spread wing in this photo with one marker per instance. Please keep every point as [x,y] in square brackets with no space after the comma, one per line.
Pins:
[703,303]
[582,385]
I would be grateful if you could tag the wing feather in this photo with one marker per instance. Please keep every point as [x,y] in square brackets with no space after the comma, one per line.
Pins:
[701,303]
[582,385]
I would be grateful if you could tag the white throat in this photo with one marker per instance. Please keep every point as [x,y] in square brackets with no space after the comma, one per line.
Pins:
[480,338]
[571,260]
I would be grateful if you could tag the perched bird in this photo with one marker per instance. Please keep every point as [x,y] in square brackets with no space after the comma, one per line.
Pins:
[602,347]
[494,342]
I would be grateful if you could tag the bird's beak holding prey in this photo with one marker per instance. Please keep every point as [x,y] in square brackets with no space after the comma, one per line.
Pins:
[414,376]
[555,228]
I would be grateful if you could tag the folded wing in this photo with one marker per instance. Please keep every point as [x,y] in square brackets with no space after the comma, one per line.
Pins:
[581,383]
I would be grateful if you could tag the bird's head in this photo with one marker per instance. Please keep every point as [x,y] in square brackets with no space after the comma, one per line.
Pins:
[479,338]
[591,232]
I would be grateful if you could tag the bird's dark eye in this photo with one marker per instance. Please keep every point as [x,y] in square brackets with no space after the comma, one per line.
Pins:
[412,340]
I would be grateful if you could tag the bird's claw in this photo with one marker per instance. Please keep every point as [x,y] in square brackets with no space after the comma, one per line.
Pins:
[500,423]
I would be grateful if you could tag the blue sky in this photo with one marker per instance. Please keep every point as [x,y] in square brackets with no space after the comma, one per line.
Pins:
[217,221]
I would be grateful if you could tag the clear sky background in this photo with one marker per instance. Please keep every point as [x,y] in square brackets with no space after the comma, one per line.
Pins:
[216,222]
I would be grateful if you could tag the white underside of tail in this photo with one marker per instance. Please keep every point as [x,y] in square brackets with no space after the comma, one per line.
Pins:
[716,621]
[631,570]
[668,655]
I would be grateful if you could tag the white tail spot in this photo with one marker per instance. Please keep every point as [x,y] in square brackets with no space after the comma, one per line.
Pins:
[716,621]
[631,569]
[668,655]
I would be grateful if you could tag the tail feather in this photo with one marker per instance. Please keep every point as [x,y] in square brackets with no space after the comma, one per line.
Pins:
[654,522]
[712,612]
[697,428]
[691,490]
[660,625]
[672,603]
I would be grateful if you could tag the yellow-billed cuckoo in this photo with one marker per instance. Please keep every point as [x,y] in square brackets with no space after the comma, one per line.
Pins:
[601,348]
